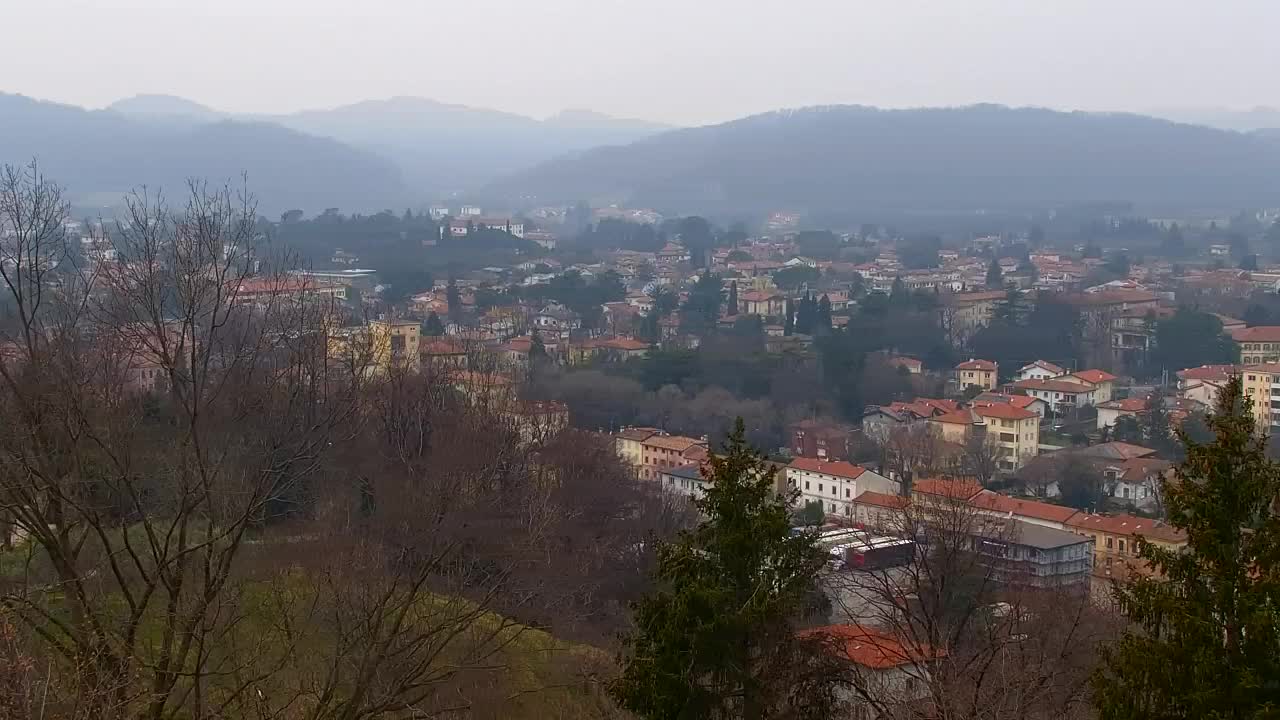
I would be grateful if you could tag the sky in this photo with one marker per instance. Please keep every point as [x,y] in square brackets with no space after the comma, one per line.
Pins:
[684,62]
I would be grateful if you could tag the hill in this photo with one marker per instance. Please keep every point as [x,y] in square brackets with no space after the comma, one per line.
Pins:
[100,155]
[861,159]
[164,107]
[443,148]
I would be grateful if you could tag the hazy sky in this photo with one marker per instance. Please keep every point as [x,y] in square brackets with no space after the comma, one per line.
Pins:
[681,61]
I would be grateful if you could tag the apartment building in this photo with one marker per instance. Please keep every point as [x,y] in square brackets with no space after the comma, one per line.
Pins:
[1015,430]
[982,373]
[1262,392]
[835,484]
[1258,345]
[651,451]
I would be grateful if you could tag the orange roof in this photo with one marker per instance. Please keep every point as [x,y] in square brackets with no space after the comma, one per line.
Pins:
[1003,411]
[1094,377]
[839,468]
[679,443]
[976,365]
[1128,525]
[959,417]
[1209,372]
[758,296]
[1044,365]
[870,497]
[1261,333]
[995,502]
[872,648]
[946,487]
[1112,297]
[1133,404]
[623,343]
[442,346]
[638,434]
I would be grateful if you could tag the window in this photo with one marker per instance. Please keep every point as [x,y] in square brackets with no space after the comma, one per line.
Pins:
[1109,543]
[819,487]
[806,484]
[846,492]
[1122,547]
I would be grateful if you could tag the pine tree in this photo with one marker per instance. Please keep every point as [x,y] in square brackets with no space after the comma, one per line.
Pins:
[1156,430]
[537,350]
[898,294]
[789,322]
[718,638]
[995,276]
[1207,636]
[454,298]
[805,313]
[733,299]
[433,327]
[822,316]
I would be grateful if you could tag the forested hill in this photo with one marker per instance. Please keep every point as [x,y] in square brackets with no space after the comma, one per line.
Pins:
[860,158]
[101,154]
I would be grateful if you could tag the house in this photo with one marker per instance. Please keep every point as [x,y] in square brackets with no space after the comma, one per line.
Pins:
[1112,410]
[1136,482]
[835,483]
[378,346]
[620,349]
[685,480]
[628,443]
[878,421]
[536,421]
[1258,345]
[763,303]
[1101,381]
[902,362]
[506,224]
[964,314]
[442,353]
[1115,550]
[1032,512]
[1202,384]
[1060,395]
[822,440]
[1026,402]
[661,451]
[1115,450]
[980,373]
[1040,370]
[1014,430]
[892,671]
[944,490]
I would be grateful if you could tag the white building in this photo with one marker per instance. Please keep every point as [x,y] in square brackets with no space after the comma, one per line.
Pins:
[1040,370]
[835,484]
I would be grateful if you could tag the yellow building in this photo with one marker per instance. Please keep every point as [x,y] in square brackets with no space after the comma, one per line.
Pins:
[1115,545]
[1014,430]
[378,346]
[1258,345]
[964,314]
[1262,391]
[983,373]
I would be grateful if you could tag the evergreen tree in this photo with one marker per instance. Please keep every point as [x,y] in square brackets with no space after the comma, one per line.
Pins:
[1207,637]
[537,349]
[433,327]
[822,317]
[805,313]
[454,298]
[718,638]
[789,322]
[1157,432]
[995,276]
[733,299]
[898,294]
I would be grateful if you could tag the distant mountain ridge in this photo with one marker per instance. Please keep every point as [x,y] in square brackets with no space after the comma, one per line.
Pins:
[101,154]
[856,158]
[440,147]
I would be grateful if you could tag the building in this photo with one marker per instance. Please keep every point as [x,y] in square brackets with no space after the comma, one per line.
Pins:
[835,484]
[536,421]
[651,451]
[684,480]
[1061,394]
[1262,392]
[1026,402]
[1014,430]
[629,443]
[1258,345]
[822,440]
[378,346]
[513,226]
[255,290]
[1114,548]
[892,671]
[1102,382]
[1202,384]
[763,303]
[879,511]
[443,353]
[1031,555]
[964,314]
[980,373]
[1112,410]
[1040,370]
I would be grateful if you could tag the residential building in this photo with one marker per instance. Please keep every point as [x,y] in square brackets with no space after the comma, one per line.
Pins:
[629,444]
[1112,410]
[1258,345]
[1016,431]
[537,421]
[763,303]
[879,511]
[513,226]
[964,314]
[684,480]
[1114,546]
[1262,392]
[980,373]
[1040,370]
[620,349]
[822,439]
[1026,402]
[378,346]
[894,672]
[661,451]
[443,353]
[1202,384]
[1061,394]
[835,484]
[1102,382]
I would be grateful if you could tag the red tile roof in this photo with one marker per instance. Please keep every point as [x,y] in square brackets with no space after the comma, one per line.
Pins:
[1044,365]
[1133,404]
[1094,377]
[1128,525]
[976,365]
[873,648]
[1002,411]
[945,487]
[870,497]
[995,502]
[1209,372]
[1261,333]
[839,468]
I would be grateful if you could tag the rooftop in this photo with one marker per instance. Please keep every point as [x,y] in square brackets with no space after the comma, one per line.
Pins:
[976,365]
[1093,377]
[1261,333]
[1128,525]
[1061,386]
[839,468]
